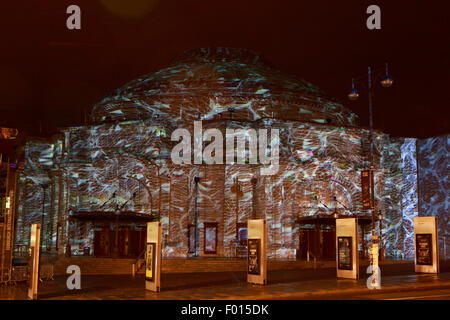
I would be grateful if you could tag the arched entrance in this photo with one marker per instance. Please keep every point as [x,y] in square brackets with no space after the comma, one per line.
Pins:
[320,203]
[112,208]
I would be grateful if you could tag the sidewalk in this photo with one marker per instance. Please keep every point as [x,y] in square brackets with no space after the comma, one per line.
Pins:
[283,284]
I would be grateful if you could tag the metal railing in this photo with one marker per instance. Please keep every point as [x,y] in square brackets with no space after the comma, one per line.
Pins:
[308,254]
[136,266]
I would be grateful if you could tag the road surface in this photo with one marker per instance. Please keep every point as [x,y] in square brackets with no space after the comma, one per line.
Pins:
[436,294]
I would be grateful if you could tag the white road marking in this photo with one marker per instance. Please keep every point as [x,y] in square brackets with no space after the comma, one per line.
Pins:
[413,298]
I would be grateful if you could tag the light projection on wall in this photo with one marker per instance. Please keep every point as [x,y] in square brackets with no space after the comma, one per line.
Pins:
[120,164]
[434,195]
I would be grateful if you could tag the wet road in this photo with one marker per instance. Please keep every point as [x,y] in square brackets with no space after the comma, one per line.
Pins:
[233,286]
[282,284]
[435,294]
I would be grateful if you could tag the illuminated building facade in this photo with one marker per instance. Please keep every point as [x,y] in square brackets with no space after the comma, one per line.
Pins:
[95,186]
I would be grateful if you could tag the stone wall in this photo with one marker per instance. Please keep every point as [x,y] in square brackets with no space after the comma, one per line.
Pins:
[434,185]
[87,165]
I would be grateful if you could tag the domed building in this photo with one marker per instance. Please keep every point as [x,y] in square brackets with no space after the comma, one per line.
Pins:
[95,186]
[203,84]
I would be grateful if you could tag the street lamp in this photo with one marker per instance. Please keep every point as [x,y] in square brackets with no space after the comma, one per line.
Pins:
[353,95]
[387,80]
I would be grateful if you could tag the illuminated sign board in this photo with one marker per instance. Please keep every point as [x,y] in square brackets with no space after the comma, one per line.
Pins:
[347,258]
[153,257]
[256,251]
[150,261]
[424,249]
[345,261]
[426,244]
[254,256]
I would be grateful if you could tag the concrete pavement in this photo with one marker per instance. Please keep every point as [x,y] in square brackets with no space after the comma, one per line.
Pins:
[282,284]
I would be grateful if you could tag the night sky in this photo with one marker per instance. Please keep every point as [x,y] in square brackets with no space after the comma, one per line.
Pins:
[50,74]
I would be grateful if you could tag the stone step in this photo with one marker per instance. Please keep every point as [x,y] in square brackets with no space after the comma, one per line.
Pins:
[89,265]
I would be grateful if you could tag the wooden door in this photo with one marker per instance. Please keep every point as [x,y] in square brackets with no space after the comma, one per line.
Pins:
[329,244]
[313,243]
[102,242]
[138,238]
[303,244]
[142,239]
[124,241]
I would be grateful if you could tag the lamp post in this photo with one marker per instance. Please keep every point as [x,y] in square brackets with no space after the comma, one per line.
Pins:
[196,180]
[353,95]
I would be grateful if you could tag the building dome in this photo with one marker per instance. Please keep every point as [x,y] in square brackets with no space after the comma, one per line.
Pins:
[210,83]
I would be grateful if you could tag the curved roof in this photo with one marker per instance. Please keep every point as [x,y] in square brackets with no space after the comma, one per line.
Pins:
[215,82]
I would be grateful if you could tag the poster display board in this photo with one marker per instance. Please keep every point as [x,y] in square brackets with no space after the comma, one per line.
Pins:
[256,246]
[6,236]
[254,256]
[210,238]
[241,233]
[347,258]
[33,264]
[153,257]
[345,253]
[150,261]
[426,245]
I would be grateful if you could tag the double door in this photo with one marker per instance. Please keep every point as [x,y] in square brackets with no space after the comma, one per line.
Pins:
[319,243]
[130,241]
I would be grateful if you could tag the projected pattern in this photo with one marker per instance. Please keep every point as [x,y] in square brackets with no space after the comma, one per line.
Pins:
[122,163]
[170,191]
[434,194]
[205,83]
[409,194]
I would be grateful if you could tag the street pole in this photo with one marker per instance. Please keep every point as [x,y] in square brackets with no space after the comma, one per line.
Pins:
[353,95]
[374,239]
[196,181]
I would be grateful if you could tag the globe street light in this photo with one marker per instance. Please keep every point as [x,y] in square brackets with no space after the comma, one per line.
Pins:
[387,81]
[353,94]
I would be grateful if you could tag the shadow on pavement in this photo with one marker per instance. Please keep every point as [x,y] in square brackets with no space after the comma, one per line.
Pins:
[66,292]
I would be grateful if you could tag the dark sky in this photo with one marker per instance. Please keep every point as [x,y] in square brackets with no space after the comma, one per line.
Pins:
[52,74]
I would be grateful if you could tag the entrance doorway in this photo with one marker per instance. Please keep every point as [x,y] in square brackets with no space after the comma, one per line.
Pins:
[320,243]
[329,244]
[102,240]
[131,241]
[124,241]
